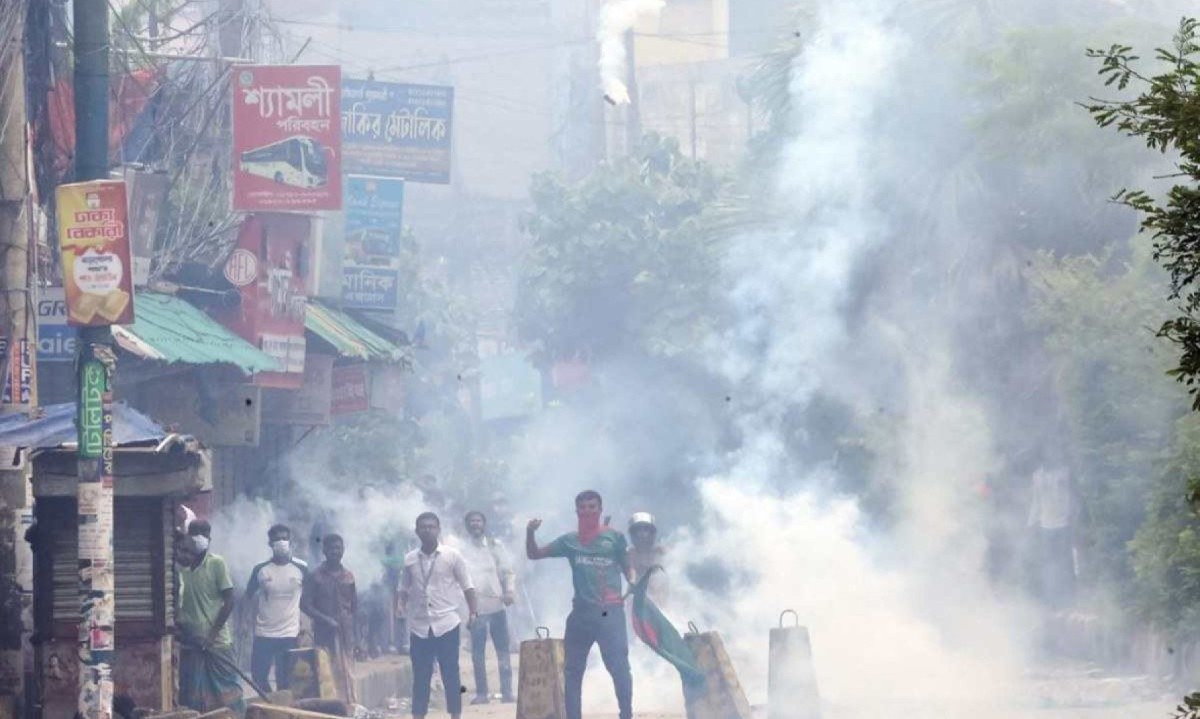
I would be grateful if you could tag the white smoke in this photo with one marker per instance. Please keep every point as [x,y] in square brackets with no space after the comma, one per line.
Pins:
[902,623]
[616,18]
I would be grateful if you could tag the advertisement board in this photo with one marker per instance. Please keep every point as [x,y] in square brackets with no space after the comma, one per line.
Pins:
[270,265]
[397,130]
[373,227]
[286,137]
[21,374]
[55,338]
[94,243]
[351,391]
[147,195]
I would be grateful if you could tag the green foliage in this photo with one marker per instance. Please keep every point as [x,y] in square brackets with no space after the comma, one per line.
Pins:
[626,259]
[1096,313]
[1190,708]
[1166,116]
[1166,550]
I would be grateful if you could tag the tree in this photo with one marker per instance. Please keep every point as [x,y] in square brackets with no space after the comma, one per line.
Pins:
[1166,115]
[623,260]
[1107,369]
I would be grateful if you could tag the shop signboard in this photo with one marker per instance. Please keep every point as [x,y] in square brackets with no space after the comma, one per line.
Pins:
[373,230]
[397,130]
[286,138]
[350,389]
[94,244]
[270,265]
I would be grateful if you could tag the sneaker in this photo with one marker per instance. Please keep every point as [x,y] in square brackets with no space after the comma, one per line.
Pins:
[479,700]
[508,700]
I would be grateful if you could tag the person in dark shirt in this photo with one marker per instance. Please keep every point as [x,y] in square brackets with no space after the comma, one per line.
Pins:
[331,598]
[599,559]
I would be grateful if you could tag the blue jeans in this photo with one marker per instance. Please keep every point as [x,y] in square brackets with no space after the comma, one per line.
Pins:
[590,624]
[423,651]
[498,624]
[267,651]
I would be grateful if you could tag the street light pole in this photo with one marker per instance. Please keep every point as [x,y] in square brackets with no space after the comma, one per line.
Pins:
[95,365]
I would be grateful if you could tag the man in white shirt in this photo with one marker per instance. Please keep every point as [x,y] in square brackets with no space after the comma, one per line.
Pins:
[1052,509]
[490,568]
[275,587]
[434,579]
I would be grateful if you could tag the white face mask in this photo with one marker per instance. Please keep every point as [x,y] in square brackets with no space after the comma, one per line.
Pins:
[200,542]
[281,548]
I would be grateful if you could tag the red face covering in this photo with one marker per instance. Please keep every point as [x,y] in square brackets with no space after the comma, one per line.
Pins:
[589,526]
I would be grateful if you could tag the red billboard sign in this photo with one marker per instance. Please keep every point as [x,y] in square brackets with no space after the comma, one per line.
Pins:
[350,389]
[270,263]
[287,138]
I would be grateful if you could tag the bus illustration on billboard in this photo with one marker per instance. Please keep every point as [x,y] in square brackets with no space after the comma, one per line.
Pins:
[297,161]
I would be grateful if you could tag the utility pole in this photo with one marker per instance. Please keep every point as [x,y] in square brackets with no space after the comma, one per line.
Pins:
[96,364]
[633,117]
[16,326]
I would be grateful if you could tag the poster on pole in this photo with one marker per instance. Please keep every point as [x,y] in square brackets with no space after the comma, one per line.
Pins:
[286,138]
[397,130]
[94,242]
[373,229]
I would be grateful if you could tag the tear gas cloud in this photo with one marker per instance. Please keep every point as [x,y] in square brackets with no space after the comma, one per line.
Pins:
[902,616]
[616,18]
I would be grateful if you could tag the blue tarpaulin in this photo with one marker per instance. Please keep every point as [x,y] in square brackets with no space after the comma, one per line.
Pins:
[56,427]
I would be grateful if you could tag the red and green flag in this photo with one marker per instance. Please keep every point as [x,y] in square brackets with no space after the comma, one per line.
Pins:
[657,632]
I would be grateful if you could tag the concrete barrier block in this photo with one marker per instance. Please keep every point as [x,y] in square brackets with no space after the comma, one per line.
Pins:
[792,680]
[721,696]
[312,674]
[540,692]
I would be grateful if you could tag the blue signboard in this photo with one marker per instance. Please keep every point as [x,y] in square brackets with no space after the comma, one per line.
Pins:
[370,288]
[55,339]
[397,130]
[374,209]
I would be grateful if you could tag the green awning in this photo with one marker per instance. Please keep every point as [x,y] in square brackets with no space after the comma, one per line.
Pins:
[347,335]
[167,329]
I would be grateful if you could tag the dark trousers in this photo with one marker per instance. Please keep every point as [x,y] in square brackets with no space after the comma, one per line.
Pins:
[1057,567]
[423,651]
[603,625]
[497,623]
[268,651]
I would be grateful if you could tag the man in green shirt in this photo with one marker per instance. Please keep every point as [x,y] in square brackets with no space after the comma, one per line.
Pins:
[208,678]
[599,559]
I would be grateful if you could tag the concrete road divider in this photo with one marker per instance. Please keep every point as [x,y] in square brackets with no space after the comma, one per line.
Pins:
[721,695]
[791,679]
[540,691]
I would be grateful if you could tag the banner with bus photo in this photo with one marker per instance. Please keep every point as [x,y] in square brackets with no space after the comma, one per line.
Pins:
[287,138]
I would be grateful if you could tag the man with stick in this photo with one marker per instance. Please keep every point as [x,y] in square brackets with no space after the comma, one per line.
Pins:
[208,676]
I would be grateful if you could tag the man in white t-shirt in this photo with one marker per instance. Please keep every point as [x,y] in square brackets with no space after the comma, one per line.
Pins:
[276,586]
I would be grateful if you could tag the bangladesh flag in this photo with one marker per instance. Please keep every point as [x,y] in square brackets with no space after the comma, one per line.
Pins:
[659,634]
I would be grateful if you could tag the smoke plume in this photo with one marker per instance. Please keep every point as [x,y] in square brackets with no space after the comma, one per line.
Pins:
[616,18]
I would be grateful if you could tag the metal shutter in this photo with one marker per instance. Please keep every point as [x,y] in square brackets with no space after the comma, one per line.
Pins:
[138,544]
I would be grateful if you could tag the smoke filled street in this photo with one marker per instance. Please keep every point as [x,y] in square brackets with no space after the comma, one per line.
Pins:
[599,359]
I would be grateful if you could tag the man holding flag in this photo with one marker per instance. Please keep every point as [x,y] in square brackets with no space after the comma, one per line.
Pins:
[599,558]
